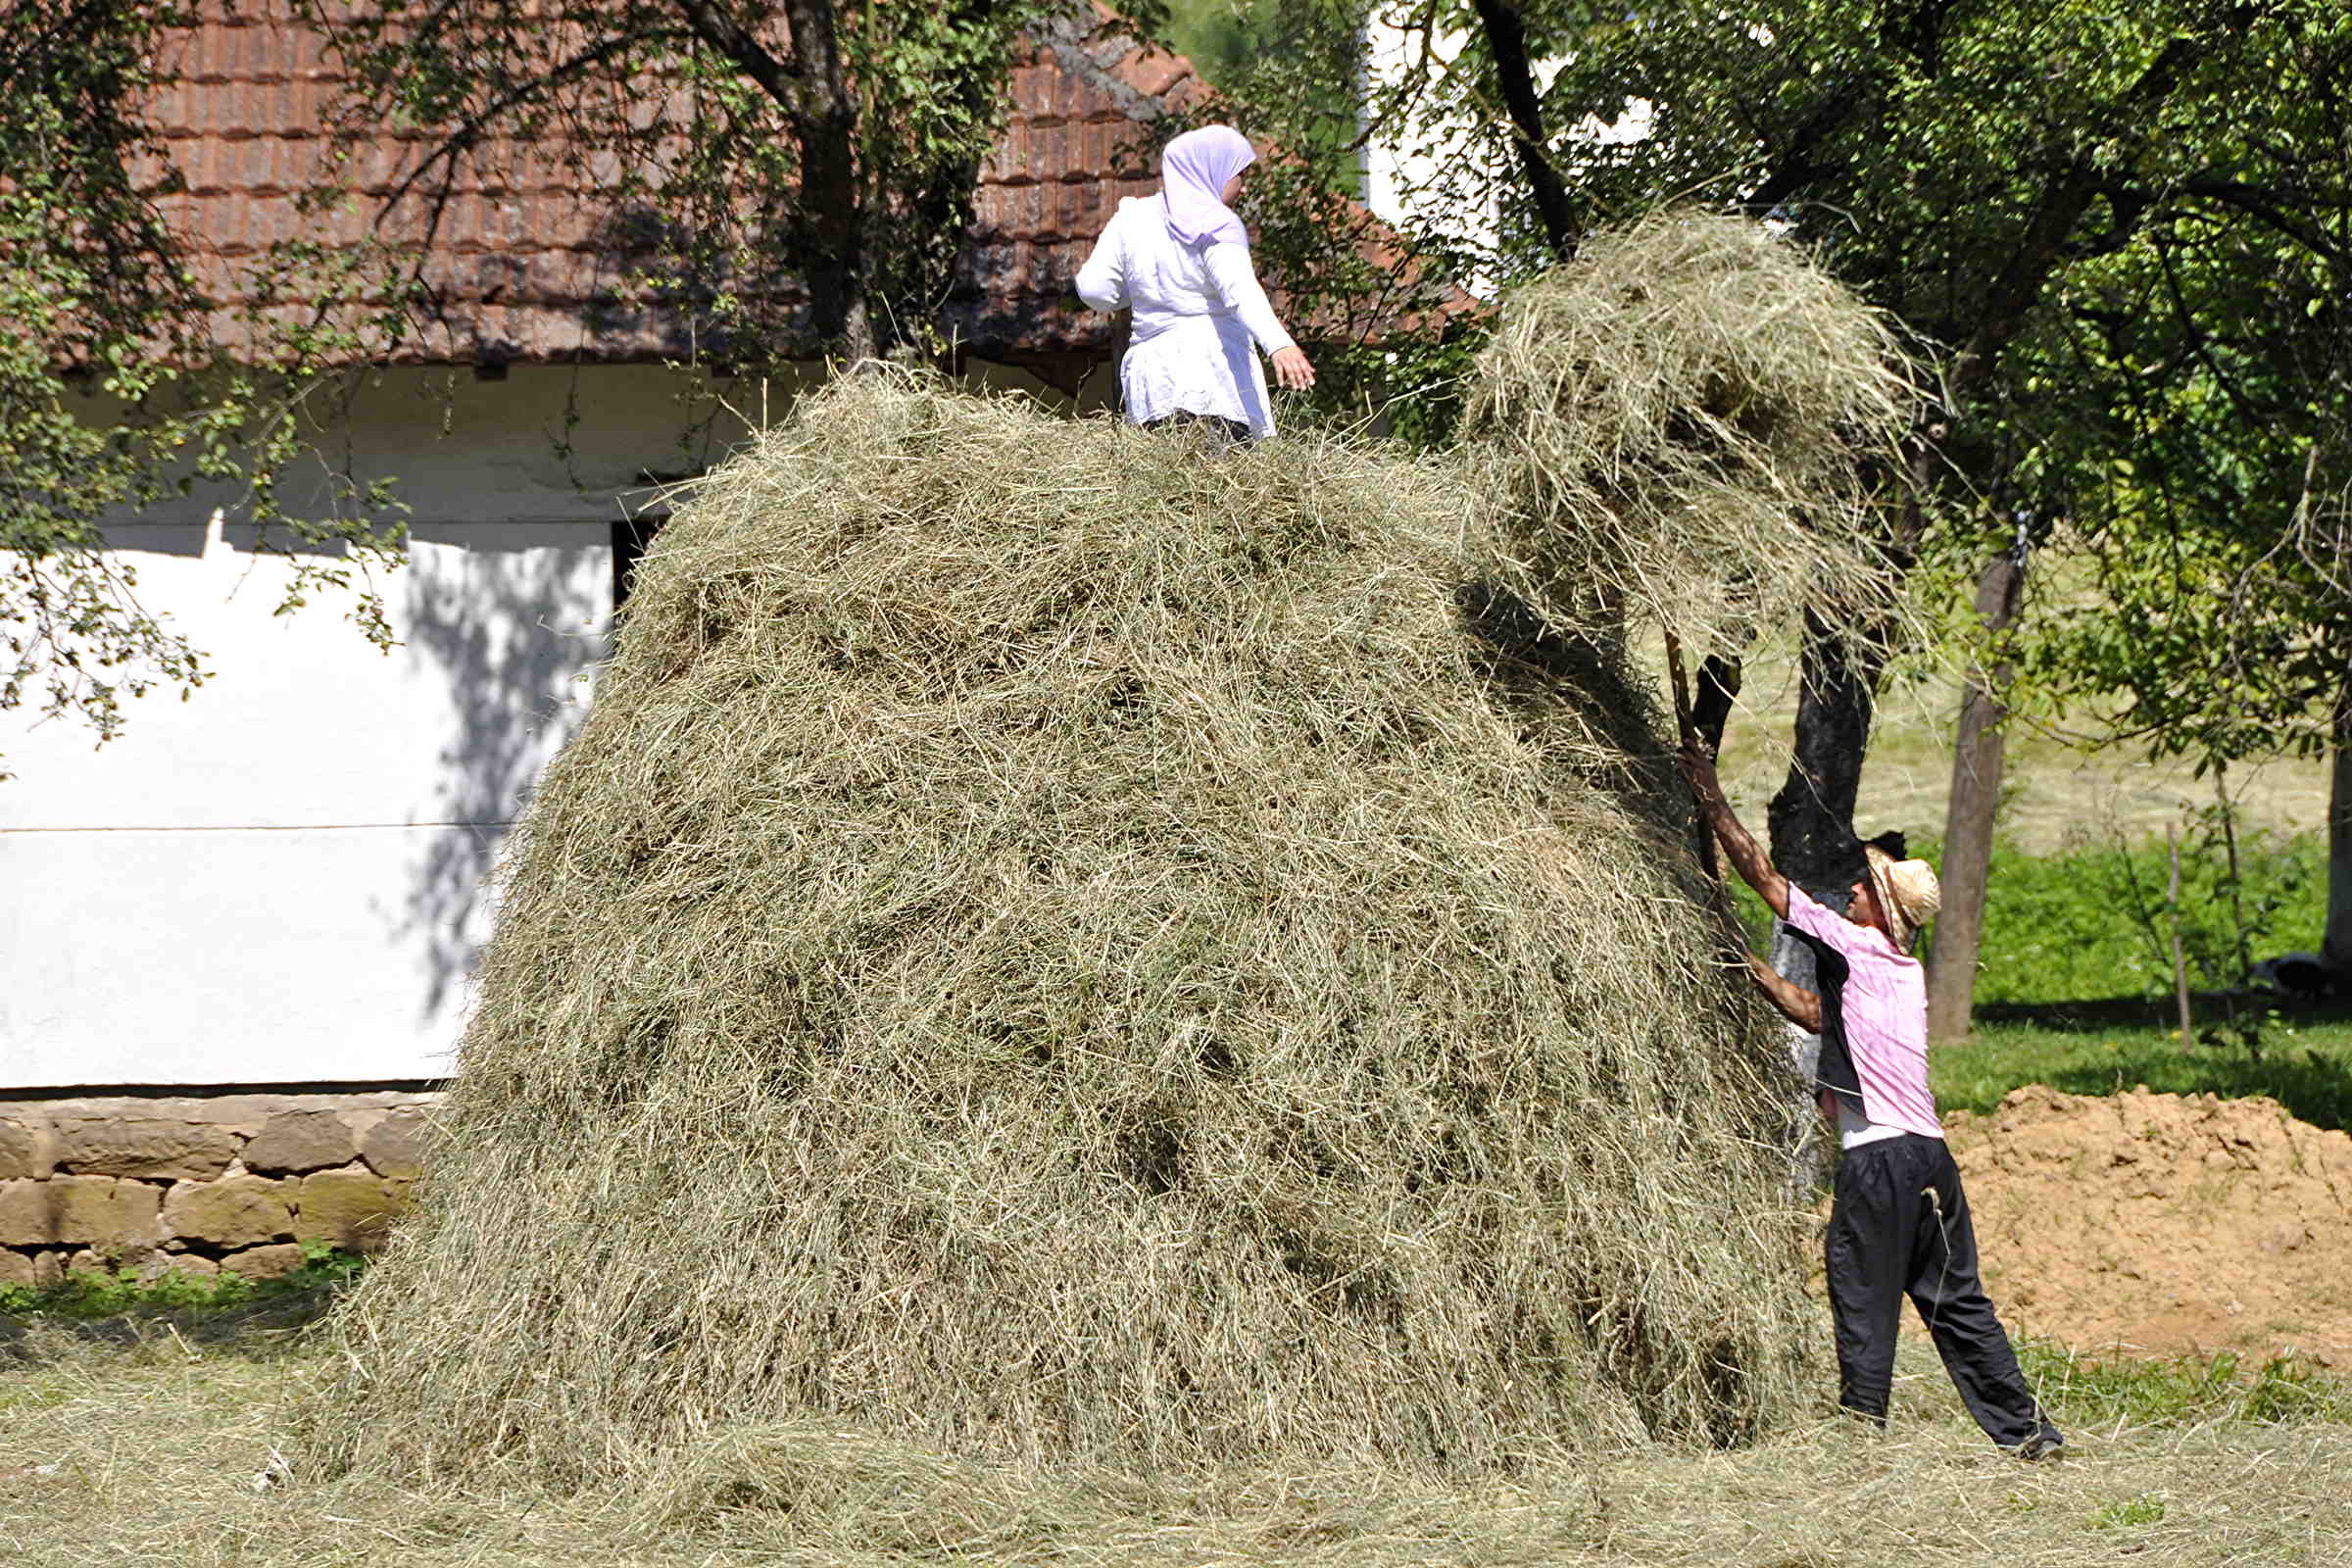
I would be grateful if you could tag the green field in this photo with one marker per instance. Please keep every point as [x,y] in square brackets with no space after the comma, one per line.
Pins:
[2055,795]
[2307,1067]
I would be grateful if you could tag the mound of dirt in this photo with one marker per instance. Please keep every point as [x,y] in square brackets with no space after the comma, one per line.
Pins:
[2163,1223]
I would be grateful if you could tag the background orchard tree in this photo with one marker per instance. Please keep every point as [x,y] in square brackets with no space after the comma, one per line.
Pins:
[2180,415]
[2217,549]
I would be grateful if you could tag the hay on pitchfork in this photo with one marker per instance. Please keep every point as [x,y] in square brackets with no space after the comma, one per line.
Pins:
[1694,427]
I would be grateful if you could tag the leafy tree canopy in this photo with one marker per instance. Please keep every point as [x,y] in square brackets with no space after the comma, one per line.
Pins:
[115,391]
[794,174]
[2117,230]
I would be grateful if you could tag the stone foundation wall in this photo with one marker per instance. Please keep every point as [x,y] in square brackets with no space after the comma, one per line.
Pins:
[202,1184]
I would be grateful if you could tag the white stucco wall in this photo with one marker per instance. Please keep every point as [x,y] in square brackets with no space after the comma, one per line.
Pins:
[1430,174]
[280,879]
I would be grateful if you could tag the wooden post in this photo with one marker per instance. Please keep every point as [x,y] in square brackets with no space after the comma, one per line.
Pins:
[1687,733]
[2335,949]
[2248,1029]
[1969,811]
[2171,909]
[2227,810]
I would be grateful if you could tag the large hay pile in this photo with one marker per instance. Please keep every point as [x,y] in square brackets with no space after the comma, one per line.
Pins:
[1057,945]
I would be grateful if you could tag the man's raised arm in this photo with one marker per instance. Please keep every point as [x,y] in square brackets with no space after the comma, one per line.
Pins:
[1748,858]
[1798,1006]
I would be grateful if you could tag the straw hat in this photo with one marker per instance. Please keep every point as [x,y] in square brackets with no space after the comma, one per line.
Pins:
[1907,892]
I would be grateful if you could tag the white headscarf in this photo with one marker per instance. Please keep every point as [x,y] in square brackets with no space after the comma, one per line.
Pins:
[1193,170]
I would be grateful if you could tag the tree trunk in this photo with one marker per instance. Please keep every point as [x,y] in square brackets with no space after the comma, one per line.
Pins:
[2335,949]
[1812,818]
[831,219]
[1813,843]
[2172,916]
[1506,45]
[1967,815]
[828,229]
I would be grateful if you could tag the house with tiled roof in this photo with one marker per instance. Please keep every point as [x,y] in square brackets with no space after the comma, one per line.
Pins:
[524,263]
[280,886]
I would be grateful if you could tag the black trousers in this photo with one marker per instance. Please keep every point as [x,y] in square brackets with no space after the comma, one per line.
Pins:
[1899,1226]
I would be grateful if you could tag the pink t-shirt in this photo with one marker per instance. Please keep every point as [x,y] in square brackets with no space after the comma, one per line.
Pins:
[1885,1011]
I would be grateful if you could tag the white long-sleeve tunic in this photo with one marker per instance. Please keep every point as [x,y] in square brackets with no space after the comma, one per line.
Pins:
[1197,311]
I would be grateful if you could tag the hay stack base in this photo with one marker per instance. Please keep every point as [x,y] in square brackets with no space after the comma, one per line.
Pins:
[1055,945]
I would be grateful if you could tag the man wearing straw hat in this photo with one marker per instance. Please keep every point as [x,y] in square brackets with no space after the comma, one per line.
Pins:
[1899,1222]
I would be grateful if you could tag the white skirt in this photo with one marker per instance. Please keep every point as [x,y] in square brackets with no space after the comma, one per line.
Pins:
[1197,364]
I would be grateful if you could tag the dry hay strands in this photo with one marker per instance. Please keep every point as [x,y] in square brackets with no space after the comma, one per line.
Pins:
[1693,425]
[1051,945]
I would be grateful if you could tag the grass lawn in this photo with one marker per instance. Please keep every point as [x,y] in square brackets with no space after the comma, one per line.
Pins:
[2306,1066]
[143,1439]
[2055,797]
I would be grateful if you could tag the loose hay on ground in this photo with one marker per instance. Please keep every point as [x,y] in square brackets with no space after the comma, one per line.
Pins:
[1052,945]
[148,1453]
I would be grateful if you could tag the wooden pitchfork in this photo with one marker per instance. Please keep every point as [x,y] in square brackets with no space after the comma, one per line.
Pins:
[1688,734]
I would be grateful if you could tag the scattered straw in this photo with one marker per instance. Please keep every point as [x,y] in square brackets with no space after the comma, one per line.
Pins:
[1055,944]
[112,1456]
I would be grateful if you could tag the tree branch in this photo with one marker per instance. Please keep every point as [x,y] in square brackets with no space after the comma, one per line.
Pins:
[2069,194]
[722,32]
[458,141]
[2200,343]
[2267,207]
[1506,46]
[1795,169]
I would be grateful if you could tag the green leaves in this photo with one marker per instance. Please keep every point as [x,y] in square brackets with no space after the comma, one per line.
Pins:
[801,167]
[114,393]
[2128,230]
[782,178]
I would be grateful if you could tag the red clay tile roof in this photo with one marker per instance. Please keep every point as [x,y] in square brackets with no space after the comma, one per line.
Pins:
[523,263]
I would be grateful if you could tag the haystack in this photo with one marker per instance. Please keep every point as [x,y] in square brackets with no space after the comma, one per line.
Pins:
[1058,945]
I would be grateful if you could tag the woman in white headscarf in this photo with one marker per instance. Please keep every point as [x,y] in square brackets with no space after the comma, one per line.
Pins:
[1181,261]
